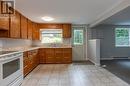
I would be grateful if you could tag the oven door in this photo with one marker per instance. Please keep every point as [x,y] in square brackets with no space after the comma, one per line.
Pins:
[11,69]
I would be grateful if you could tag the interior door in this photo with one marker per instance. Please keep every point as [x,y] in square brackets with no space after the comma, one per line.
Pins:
[78,43]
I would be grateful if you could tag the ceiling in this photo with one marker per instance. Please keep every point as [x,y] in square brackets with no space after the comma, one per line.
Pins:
[65,11]
[120,18]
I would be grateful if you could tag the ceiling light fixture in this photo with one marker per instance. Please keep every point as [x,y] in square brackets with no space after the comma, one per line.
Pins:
[47,18]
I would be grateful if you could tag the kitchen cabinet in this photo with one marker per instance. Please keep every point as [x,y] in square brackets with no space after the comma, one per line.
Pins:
[4,23]
[15,25]
[58,55]
[35,58]
[55,55]
[65,27]
[4,34]
[36,32]
[50,55]
[25,63]
[66,30]
[30,26]
[67,55]
[24,27]
[30,61]
[42,57]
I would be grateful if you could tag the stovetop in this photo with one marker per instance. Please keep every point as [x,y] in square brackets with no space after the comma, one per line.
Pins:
[6,52]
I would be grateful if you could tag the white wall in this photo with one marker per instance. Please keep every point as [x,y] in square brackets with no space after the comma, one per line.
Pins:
[94,51]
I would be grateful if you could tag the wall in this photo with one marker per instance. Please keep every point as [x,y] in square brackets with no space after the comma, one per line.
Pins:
[66,41]
[107,35]
[94,51]
[11,43]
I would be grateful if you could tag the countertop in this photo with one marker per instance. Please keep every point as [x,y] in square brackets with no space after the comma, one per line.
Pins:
[24,49]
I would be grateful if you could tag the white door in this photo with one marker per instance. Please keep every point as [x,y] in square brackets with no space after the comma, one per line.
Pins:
[78,43]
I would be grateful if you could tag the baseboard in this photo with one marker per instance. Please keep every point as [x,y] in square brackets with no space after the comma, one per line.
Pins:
[107,58]
[113,58]
[94,62]
[80,60]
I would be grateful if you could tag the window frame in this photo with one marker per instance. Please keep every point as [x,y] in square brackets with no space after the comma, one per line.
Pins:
[51,33]
[127,28]
[82,37]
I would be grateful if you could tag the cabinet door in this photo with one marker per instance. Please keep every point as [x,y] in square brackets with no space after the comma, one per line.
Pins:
[35,58]
[50,55]
[15,25]
[58,55]
[25,63]
[67,55]
[29,29]
[23,27]
[36,33]
[4,21]
[30,56]
[42,56]
[66,30]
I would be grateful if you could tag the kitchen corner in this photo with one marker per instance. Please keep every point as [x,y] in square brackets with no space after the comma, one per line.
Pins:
[29,57]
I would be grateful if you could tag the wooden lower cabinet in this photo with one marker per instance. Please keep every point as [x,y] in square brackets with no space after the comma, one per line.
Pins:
[50,55]
[42,58]
[67,55]
[58,55]
[30,61]
[55,55]
[25,63]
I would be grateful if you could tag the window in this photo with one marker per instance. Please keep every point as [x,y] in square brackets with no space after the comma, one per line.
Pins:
[122,37]
[51,36]
[78,37]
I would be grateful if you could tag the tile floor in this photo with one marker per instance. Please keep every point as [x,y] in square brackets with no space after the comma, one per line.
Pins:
[71,75]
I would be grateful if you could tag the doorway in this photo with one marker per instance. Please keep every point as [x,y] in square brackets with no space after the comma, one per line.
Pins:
[78,43]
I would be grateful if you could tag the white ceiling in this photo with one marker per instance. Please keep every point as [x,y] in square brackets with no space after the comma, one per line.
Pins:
[120,18]
[65,11]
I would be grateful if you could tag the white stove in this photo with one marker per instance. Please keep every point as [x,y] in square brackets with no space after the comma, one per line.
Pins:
[11,68]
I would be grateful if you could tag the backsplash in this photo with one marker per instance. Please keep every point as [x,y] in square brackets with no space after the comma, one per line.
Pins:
[15,44]
[11,43]
[66,41]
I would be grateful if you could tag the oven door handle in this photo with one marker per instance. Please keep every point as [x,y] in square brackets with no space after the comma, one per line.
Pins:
[11,58]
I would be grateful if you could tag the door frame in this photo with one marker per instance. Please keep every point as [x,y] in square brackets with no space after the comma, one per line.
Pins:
[84,40]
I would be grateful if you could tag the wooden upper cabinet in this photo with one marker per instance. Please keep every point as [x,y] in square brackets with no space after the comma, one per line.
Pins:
[4,21]
[50,26]
[15,25]
[65,27]
[30,26]
[66,30]
[36,32]
[24,27]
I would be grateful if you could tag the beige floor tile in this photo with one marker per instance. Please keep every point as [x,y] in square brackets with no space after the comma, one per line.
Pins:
[71,75]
